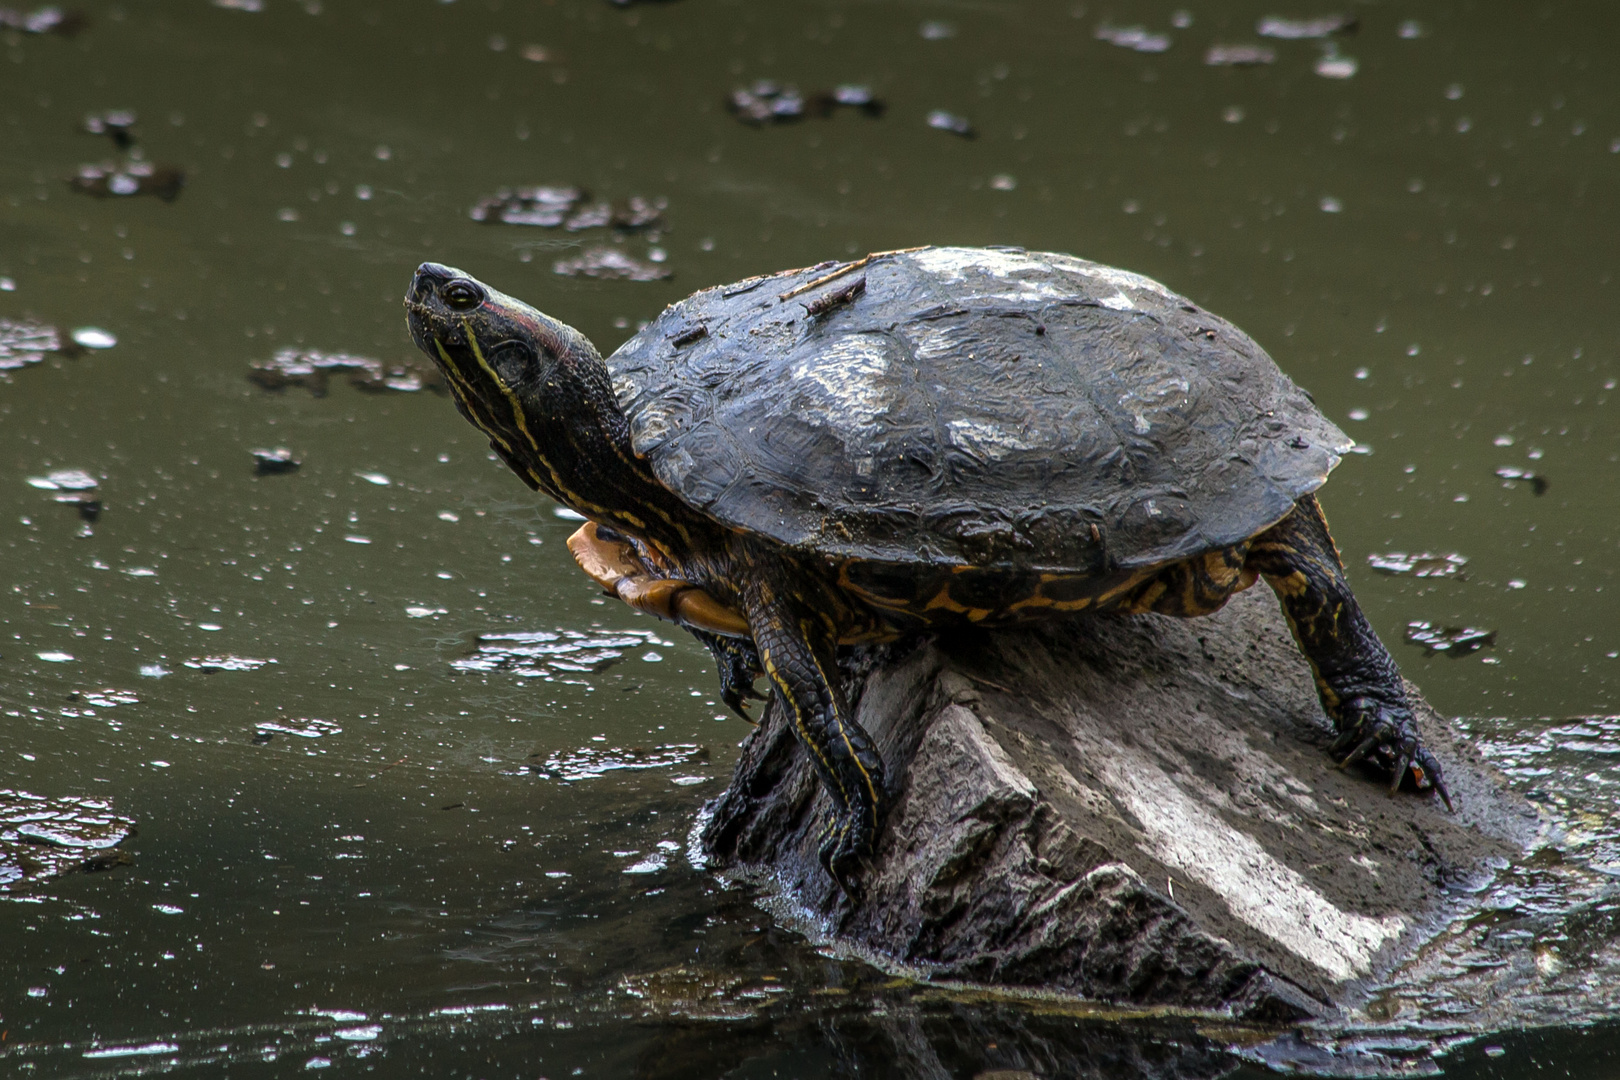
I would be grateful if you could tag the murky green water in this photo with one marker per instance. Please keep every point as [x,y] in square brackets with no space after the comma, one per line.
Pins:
[433,882]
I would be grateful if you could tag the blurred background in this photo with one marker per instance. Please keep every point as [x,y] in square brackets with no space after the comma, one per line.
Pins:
[411,799]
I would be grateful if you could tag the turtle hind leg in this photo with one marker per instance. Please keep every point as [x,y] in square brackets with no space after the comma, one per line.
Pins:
[797,645]
[1357,679]
[739,666]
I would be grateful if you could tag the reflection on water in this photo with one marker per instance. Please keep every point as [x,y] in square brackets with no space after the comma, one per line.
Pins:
[368,854]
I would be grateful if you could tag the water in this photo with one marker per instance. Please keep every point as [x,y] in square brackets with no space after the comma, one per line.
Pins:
[424,870]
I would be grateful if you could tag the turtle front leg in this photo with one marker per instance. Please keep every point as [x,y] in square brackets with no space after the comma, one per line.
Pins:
[797,645]
[1357,679]
[739,666]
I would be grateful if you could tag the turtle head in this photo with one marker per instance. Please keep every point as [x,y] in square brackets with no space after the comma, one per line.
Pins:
[511,369]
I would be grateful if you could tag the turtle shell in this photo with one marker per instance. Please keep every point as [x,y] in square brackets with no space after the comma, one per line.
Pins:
[984,407]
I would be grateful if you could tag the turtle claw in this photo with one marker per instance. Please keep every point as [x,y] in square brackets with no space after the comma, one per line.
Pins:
[1388,737]
[842,853]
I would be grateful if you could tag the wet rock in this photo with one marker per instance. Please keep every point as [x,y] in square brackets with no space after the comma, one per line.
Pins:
[1538,483]
[1138,38]
[1451,640]
[1137,810]
[551,653]
[567,207]
[117,124]
[1423,565]
[766,102]
[1285,29]
[50,19]
[43,838]
[610,263]
[24,343]
[132,177]
[940,120]
[274,462]
[312,370]
[1239,55]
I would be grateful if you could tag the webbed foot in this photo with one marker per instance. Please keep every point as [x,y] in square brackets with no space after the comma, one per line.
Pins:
[1373,731]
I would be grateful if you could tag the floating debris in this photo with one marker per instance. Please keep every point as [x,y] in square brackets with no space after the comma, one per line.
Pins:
[612,264]
[109,698]
[45,20]
[940,120]
[1451,640]
[1334,66]
[1538,483]
[568,207]
[766,102]
[309,728]
[211,664]
[274,462]
[43,838]
[311,370]
[24,343]
[1422,565]
[64,480]
[852,96]
[1275,26]
[1240,55]
[546,653]
[116,124]
[590,762]
[1139,38]
[133,177]
[93,337]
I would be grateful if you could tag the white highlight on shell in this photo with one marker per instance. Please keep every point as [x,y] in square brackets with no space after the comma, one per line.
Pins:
[1257,888]
[849,378]
[1119,279]
[985,441]
[1119,302]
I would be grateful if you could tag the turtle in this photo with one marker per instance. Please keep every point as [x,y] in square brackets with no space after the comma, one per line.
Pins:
[916,440]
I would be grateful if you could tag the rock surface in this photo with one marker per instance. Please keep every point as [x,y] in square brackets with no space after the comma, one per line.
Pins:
[1137,810]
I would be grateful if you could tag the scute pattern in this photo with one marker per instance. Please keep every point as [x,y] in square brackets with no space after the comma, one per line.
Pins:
[973,407]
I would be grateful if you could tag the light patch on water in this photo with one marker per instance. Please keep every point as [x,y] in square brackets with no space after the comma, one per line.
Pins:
[167,909]
[359,1034]
[589,762]
[64,480]
[304,728]
[226,663]
[54,657]
[154,671]
[417,611]
[652,864]
[134,1051]
[380,479]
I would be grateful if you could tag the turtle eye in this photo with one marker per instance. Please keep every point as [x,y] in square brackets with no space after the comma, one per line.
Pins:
[463,295]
